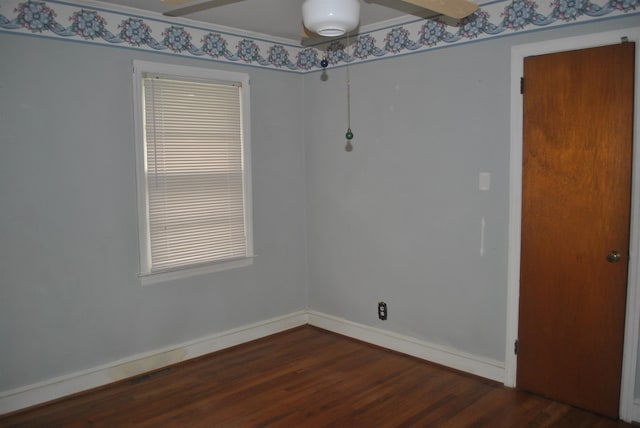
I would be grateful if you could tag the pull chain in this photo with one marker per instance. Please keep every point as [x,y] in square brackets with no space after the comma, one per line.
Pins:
[349,134]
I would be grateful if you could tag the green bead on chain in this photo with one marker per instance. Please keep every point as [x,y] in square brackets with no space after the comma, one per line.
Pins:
[349,134]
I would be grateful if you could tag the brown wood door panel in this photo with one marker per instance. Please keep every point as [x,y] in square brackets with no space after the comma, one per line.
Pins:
[577,145]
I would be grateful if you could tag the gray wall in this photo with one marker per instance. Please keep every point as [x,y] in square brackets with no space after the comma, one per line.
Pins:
[70,297]
[399,218]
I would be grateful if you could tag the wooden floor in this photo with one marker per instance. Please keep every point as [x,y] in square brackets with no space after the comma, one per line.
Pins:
[305,377]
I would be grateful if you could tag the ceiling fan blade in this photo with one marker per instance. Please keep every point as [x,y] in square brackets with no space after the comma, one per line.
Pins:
[198,7]
[175,2]
[457,9]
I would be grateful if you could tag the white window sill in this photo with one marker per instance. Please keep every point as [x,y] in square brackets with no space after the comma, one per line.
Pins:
[154,278]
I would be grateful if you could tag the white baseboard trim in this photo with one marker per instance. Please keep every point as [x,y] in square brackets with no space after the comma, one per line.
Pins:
[58,387]
[52,389]
[444,356]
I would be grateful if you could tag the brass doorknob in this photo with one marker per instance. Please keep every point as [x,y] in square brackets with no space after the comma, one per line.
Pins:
[614,256]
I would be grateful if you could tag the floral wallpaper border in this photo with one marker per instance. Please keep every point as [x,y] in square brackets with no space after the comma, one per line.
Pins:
[107,26]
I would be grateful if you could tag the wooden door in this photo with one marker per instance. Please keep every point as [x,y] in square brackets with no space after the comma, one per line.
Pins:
[576,191]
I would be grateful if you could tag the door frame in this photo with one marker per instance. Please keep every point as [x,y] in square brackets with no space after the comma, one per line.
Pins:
[629,410]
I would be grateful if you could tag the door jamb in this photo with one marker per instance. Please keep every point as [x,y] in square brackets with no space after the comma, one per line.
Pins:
[628,409]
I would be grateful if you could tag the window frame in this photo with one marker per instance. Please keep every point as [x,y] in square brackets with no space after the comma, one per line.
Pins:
[140,68]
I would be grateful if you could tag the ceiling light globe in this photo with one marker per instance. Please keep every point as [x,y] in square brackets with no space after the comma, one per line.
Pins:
[331,18]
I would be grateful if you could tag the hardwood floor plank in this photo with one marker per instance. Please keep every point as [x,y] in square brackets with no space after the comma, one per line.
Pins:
[305,377]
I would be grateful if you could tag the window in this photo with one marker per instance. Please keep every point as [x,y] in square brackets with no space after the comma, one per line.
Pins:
[194,196]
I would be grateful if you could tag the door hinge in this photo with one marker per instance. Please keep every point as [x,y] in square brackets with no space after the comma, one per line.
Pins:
[522,85]
[515,347]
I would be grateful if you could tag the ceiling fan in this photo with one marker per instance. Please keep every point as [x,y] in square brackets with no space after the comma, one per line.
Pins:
[333,18]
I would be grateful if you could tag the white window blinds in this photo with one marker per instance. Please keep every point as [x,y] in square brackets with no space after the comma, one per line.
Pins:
[195,194]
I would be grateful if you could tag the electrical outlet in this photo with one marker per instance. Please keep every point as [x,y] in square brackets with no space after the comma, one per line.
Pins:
[382,311]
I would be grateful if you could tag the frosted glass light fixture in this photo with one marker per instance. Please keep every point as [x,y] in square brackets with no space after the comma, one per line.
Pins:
[331,18]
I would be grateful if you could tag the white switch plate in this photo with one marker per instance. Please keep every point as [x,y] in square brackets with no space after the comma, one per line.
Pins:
[484,181]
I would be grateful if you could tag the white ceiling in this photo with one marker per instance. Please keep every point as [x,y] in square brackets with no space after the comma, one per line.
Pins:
[276,18]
